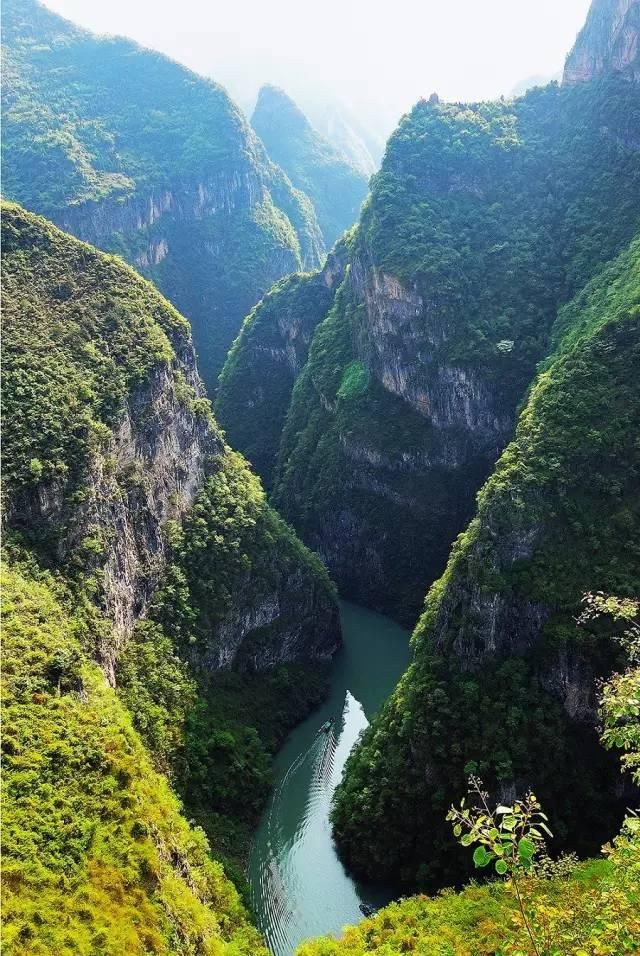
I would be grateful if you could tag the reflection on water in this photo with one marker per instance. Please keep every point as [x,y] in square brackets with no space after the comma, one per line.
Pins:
[299,887]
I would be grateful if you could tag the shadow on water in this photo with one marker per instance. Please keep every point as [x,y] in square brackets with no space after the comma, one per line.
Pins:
[299,887]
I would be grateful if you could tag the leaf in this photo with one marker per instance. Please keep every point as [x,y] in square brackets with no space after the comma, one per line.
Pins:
[501,867]
[481,857]
[457,830]
[526,848]
[466,840]
[502,809]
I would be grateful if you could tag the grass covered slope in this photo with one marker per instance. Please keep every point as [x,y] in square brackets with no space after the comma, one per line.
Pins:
[96,854]
[336,187]
[136,154]
[503,679]
[82,333]
[483,220]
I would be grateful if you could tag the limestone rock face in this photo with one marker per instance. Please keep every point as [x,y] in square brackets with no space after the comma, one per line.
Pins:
[608,42]
[258,378]
[100,497]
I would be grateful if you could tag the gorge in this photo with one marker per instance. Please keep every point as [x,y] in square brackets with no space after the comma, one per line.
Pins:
[258,424]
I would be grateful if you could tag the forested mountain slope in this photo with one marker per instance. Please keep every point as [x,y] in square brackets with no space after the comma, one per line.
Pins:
[96,854]
[136,154]
[271,350]
[483,220]
[201,606]
[335,186]
[504,681]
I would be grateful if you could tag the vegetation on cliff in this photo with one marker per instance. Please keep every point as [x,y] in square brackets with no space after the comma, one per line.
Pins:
[257,380]
[560,907]
[335,186]
[498,638]
[139,155]
[483,220]
[98,371]
[96,854]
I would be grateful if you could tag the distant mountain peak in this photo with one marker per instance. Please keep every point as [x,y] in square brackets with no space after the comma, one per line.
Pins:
[608,42]
[274,104]
[314,165]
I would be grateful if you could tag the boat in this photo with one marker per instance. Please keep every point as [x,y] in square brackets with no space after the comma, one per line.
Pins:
[368,909]
[326,727]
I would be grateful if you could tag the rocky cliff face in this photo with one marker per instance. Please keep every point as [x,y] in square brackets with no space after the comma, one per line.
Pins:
[608,42]
[109,443]
[504,683]
[454,277]
[261,369]
[146,473]
[133,153]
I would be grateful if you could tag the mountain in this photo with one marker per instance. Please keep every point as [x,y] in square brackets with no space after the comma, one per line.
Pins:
[504,680]
[343,130]
[337,188]
[607,43]
[136,154]
[145,546]
[482,222]
[256,383]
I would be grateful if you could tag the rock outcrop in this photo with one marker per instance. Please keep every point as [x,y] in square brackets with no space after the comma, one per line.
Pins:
[462,256]
[608,42]
[258,377]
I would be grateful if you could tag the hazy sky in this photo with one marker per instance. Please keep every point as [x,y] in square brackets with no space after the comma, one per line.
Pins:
[378,57]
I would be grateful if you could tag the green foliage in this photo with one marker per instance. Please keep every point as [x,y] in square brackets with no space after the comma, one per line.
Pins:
[215,733]
[510,836]
[492,216]
[620,699]
[85,341]
[355,381]
[335,187]
[546,907]
[258,376]
[591,911]
[81,333]
[501,624]
[96,854]
[123,146]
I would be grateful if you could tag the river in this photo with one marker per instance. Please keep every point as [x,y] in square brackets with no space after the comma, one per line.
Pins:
[299,887]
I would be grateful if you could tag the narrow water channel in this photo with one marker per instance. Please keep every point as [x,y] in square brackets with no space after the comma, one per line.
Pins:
[299,887]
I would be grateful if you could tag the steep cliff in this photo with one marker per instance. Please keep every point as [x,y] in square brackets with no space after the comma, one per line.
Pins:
[607,43]
[207,613]
[335,186]
[135,154]
[504,681]
[257,380]
[108,443]
[483,220]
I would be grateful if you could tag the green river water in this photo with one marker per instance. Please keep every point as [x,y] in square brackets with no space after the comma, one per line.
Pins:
[299,887]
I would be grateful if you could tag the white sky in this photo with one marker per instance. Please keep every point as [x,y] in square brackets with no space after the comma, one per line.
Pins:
[378,56]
